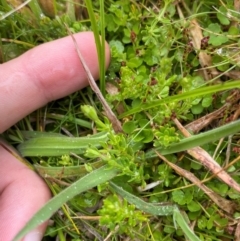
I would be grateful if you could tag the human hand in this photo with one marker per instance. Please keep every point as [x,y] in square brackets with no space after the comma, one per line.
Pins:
[45,73]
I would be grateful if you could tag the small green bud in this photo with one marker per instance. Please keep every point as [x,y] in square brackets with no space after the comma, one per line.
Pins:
[89,112]
[92,153]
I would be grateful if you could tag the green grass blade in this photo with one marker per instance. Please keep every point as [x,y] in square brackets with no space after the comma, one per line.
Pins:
[73,120]
[71,10]
[198,140]
[190,94]
[178,217]
[57,146]
[36,134]
[36,9]
[99,44]
[157,210]
[6,5]
[87,182]
[102,63]
[142,205]
[66,172]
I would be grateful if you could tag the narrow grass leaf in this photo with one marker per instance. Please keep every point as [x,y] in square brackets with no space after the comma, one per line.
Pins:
[108,111]
[36,9]
[36,134]
[99,44]
[179,219]
[71,10]
[190,94]
[66,171]
[74,120]
[142,205]
[87,182]
[198,140]
[57,146]
[102,50]
[157,210]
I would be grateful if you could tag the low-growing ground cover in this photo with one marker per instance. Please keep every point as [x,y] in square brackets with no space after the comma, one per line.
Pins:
[164,165]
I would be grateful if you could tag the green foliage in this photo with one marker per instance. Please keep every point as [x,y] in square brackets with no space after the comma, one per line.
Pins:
[217,37]
[165,136]
[85,200]
[182,197]
[123,155]
[158,75]
[165,174]
[222,16]
[116,212]
[210,221]
[65,161]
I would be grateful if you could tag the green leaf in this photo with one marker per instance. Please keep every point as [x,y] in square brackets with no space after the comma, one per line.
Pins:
[126,37]
[217,37]
[197,109]
[193,206]
[58,146]
[67,171]
[196,165]
[129,127]
[134,62]
[217,40]
[233,30]
[221,15]
[196,101]
[190,94]
[144,123]
[116,46]
[220,63]
[111,25]
[207,101]
[145,135]
[142,205]
[99,40]
[178,217]
[148,135]
[214,27]
[181,197]
[198,140]
[202,222]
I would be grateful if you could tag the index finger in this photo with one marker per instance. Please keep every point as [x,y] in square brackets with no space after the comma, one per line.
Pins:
[45,73]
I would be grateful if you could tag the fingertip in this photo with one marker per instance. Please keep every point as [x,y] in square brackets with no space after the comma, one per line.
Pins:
[45,73]
[56,68]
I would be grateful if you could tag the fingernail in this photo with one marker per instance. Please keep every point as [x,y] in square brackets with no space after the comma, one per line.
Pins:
[33,236]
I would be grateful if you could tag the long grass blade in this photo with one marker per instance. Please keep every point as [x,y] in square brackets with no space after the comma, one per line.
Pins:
[178,217]
[157,210]
[142,205]
[190,94]
[36,9]
[57,146]
[198,140]
[66,172]
[99,44]
[102,63]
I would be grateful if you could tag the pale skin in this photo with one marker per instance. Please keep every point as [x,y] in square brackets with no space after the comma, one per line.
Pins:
[45,73]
